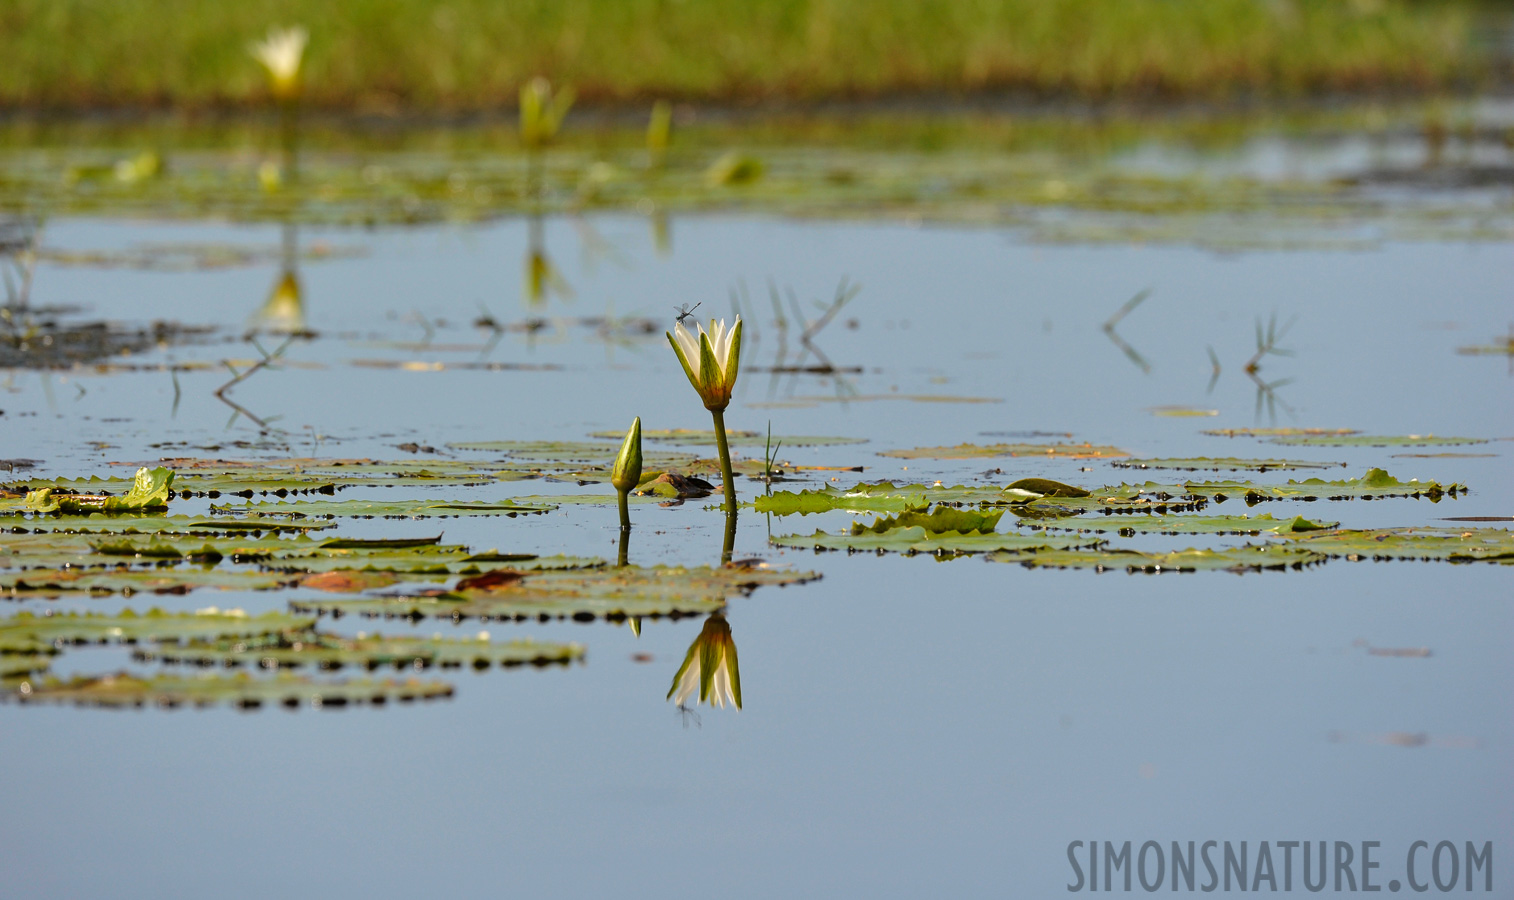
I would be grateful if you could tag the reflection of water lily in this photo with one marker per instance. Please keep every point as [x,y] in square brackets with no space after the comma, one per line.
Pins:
[280,54]
[284,312]
[710,666]
[543,278]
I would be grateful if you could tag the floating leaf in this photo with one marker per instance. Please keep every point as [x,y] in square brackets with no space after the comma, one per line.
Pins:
[693,436]
[1450,544]
[939,520]
[1375,484]
[1235,559]
[388,509]
[15,664]
[977,451]
[584,594]
[1368,440]
[324,651]
[1143,524]
[159,525]
[915,539]
[179,580]
[1277,432]
[242,690]
[149,491]
[154,625]
[1224,463]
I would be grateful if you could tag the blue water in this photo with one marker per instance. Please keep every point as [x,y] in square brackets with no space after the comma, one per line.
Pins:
[911,727]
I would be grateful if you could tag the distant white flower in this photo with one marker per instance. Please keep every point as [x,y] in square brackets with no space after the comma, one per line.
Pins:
[280,54]
[711,359]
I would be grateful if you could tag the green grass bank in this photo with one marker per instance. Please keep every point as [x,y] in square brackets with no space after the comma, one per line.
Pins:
[405,55]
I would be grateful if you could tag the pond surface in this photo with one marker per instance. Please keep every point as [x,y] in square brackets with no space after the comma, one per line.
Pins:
[911,725]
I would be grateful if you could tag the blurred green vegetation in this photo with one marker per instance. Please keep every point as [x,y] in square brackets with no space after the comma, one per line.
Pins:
[398,55]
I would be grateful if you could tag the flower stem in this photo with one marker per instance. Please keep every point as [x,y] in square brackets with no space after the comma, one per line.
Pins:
[725,461]
[625,511]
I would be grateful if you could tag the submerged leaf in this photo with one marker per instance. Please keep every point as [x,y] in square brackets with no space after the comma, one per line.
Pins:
[915,539]
[1449,544]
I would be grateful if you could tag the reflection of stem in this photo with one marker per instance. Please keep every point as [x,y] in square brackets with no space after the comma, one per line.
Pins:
[725,461]
[289,134]
[1114,320]
[730,537]
[240,377]
[625,536]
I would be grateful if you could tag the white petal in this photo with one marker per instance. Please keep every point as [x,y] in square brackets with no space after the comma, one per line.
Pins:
[688,684]
[689,344]
[720,691]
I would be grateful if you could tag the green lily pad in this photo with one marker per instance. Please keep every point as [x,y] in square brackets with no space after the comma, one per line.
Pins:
[1369,440]
[693,436]
[584,595]
[915,539]
[324,651]
[1224,463]
[149,491]
[1235,559]
[179,580]
[388,509]
[1375,484]
[980,451]
[152,626]
[1449,544]
[938,521]
[159,525]
[124,690]
[1028,496]
[1279,432]
[1145,524]
[13,665]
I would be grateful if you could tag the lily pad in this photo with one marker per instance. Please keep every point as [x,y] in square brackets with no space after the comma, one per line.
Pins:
[16,664]
[1369,440]
[979,451]
[178,580]
[124,690]
[693,436]
[154,625]
[1144,524]
[149,491]
[1278,432]
[1224,464]
[938,521]
[584,595]
[1377,483]
[160,525]
[1449,544]
[388,509]
[324,651]
[1235,559]
[915,539]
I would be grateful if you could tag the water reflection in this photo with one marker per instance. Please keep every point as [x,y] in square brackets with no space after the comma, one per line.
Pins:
[542,277]
[709,667]
[284,310]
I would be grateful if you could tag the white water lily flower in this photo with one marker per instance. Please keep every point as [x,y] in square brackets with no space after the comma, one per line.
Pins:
[280,54]
[710,359]
[710,667]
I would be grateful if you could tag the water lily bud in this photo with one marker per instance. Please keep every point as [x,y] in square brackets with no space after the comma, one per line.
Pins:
[627,472]
[710,668]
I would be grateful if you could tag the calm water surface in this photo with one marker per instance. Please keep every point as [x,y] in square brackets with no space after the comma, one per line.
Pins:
[911,727]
